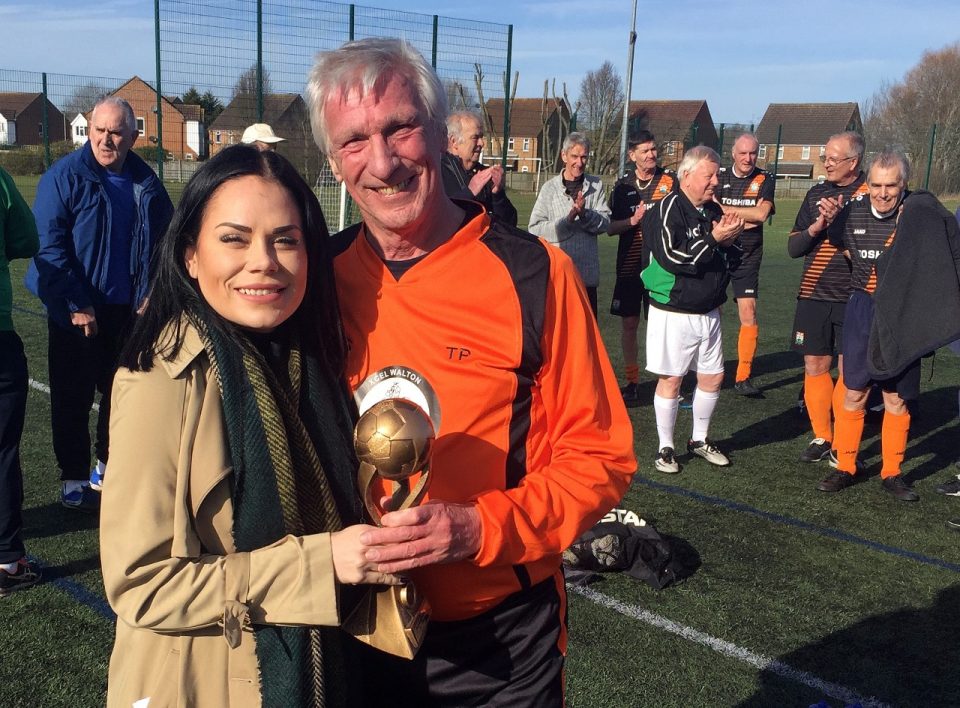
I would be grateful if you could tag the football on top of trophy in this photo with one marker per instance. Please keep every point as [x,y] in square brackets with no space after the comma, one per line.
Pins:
[395,436]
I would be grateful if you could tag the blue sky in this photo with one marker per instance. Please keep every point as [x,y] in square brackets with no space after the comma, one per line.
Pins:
[739,55]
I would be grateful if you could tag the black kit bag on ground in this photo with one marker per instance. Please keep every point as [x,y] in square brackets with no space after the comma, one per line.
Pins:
[622,541]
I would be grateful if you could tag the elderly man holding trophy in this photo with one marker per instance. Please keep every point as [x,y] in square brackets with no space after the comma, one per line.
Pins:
[489,326]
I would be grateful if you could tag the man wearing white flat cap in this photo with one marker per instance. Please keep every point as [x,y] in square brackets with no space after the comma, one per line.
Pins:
[261,136]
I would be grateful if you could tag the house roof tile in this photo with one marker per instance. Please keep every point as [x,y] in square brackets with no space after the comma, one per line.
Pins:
[807,123]
[241,111]
[525,115]
[14,102]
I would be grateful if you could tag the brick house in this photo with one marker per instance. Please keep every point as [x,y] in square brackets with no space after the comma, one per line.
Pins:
[535,129]
[804,130]
[677,125]
[21,119]
[289,117]
[183,133]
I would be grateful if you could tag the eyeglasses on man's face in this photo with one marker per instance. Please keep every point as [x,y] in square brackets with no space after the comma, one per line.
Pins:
[835,160]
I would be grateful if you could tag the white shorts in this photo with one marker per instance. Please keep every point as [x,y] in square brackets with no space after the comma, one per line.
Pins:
[678,342]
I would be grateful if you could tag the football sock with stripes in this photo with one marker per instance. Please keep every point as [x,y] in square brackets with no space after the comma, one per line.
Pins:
[817,394]
[746,349]
[847,432]
[893,442]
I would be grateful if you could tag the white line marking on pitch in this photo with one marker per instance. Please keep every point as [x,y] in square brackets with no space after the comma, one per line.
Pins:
[763,663]
[40,386]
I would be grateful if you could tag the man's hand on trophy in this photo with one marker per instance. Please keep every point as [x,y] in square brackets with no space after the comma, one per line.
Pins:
[436,532]
[350,562]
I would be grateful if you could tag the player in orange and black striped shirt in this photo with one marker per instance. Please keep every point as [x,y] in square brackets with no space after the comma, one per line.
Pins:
[632,195]
[868,233]
[747,191]
[825,284]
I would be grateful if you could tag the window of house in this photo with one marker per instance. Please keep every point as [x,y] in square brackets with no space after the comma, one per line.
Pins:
[670,149]
[805,155]
[141,126]
[216,137]
[780,153]
[762,153]
[524,169]
[40,129]
[823,151]
[526,144]
[81,130]
[510,144]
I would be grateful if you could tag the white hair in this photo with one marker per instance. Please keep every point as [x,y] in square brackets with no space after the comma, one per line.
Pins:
[693,157]
[367,65]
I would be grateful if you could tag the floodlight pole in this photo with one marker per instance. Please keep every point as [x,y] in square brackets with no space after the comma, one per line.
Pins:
[626,101]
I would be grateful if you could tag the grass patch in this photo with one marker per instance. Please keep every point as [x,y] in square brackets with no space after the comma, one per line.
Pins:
[878,623]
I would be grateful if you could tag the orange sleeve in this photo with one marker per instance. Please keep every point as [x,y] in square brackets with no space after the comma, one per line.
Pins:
[580,450]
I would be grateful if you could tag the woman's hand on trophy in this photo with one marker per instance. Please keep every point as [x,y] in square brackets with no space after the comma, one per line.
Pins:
[436,532]
[350,561]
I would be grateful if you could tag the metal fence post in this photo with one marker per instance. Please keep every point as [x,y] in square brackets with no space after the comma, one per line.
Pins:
[156,25]
[720,144]
[433,55]
[506,99]
[46,126]
[259,61]
[933,137]
[776,155]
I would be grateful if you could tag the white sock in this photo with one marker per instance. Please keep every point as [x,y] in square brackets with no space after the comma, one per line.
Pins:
[11,568]
[703,406]
[72,485]
[666,410]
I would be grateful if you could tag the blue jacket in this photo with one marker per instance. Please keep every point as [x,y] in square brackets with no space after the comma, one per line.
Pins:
[73,217]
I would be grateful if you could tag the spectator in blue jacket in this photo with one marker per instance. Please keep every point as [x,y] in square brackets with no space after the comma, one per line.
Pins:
[99,212]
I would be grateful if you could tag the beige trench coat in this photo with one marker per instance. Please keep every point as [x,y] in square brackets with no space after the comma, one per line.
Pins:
[170,569]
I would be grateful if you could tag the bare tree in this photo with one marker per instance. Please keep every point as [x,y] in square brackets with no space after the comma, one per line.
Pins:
[247,82]
[492,134]
[554,123]
[459,96]
[83,98]
[902,115]
[601,105]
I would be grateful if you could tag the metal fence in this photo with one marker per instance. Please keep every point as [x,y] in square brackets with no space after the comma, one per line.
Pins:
[247,60]
[224,64]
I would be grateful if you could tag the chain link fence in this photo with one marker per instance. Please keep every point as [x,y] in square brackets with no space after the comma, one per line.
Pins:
[246,61]
[225,64]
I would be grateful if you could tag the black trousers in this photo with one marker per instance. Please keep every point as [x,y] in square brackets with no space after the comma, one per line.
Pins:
[79,367]
[13,406]
[507,657]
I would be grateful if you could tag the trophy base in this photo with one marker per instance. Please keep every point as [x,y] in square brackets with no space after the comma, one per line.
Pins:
[392,618]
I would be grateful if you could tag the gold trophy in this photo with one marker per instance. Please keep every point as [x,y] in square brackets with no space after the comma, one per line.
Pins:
[393,440]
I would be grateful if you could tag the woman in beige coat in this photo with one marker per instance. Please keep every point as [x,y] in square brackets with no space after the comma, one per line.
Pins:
[229,525]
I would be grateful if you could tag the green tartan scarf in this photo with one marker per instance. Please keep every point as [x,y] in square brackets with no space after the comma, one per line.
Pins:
[294,473]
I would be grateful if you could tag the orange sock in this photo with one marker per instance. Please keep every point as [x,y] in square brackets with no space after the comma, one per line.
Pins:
[632,372]
[893,442]
[847,432]
[746,348]
[817,391]
[839,393]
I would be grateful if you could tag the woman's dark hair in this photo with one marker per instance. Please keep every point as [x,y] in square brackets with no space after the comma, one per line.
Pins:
[173,292]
